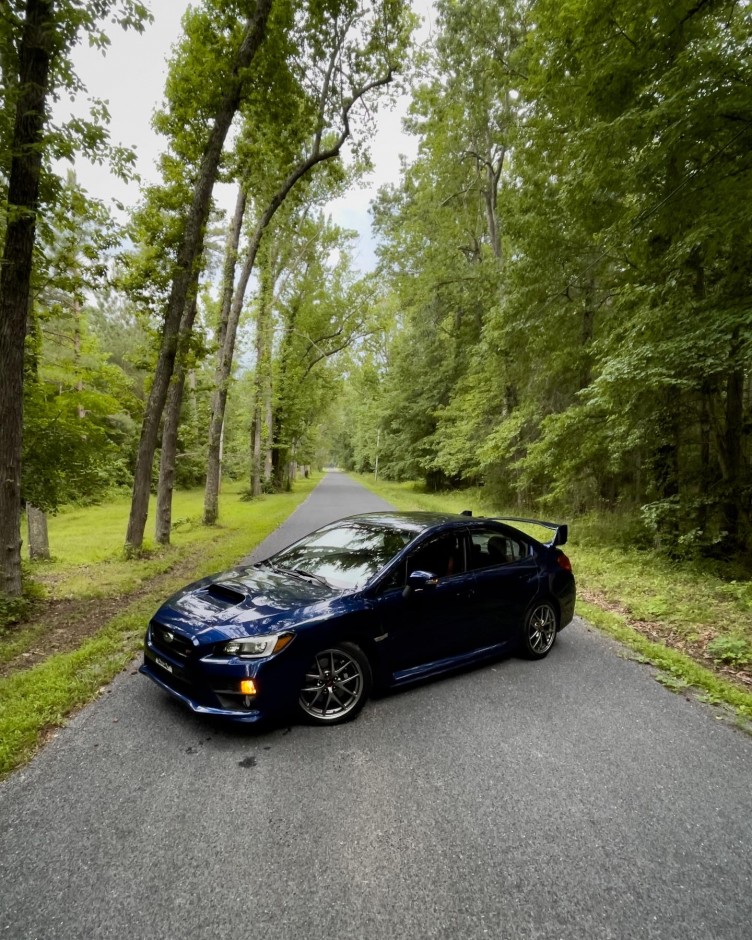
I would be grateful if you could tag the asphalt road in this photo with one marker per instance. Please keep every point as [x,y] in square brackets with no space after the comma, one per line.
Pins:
[569,798]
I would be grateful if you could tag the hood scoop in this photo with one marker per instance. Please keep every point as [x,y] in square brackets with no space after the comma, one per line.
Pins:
[225,594]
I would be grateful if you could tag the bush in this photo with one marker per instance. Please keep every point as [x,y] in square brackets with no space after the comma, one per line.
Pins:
[730,650]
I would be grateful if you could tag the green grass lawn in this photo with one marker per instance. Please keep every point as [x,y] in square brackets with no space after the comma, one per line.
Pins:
[90,542]
[87,543]
[679,616]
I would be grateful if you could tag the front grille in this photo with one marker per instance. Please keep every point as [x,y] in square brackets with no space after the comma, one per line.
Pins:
[169,642]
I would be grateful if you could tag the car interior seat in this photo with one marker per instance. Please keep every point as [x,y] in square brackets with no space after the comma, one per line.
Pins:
[500,550]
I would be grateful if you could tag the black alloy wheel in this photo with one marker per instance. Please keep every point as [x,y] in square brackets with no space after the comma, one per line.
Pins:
[539,633]
[336,685]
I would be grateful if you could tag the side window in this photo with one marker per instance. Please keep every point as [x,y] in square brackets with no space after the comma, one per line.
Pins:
[396,579]
[491,547]
[443,556]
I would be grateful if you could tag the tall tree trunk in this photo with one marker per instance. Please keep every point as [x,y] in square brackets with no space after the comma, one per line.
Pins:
[586,332]
[279,418]
[186,275]
[35,53]
[216,421]
[268,430]
[39,542]
[666,467]
[262,384]
[256,432]
[166,485]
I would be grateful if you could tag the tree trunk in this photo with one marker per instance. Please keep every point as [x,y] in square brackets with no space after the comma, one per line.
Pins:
[586,332]
[163,524]
[268,430]
[280,451]
[666,467]
[166,485]
[185,277]
[262,384]
[491,200]
[216,421]
[39,542]
[255,452]
[35,53]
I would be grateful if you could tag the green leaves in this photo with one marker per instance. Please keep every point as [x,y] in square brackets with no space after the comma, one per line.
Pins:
[568,253]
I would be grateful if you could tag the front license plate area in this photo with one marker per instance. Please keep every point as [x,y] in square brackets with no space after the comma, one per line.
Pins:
[163,664]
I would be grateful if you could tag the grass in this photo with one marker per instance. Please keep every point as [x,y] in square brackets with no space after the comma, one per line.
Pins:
[672,614]
[36,699]
[88,542]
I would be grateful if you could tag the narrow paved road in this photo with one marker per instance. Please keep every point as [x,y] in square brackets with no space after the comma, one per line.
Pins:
[571,798]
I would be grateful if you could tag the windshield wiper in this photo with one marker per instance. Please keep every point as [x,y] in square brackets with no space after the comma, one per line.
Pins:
[309,574]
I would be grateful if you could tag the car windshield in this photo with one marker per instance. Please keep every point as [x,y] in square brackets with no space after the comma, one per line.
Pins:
[345,556]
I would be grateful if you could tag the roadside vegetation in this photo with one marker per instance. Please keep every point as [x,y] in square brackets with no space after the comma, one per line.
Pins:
[90,621]
[690,619]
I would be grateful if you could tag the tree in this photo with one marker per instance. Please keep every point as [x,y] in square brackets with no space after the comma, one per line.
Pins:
[229,94]
[38,38]
[588,342]
[324,310]
[346,53]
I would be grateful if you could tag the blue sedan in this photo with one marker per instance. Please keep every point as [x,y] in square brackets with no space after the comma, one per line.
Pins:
[380,599]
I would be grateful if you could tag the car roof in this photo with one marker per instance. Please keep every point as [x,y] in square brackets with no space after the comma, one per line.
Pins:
[418,522]
[410,521]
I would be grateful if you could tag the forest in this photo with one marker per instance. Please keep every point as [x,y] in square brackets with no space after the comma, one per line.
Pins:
[560,313]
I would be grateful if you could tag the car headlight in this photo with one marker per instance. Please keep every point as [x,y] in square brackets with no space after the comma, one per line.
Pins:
[256,647]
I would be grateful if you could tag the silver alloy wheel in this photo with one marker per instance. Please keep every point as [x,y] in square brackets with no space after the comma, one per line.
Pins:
[541,629]
[333,685]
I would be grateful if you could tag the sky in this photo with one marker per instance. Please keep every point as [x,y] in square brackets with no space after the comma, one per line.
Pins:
[131,78]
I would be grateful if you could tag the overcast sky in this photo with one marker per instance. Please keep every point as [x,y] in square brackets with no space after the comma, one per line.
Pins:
[131,77]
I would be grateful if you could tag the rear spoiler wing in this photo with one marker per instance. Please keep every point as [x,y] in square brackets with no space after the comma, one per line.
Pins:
[561,532]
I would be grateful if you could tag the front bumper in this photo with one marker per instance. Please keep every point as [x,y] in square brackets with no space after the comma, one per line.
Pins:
[211,688]
[247,716]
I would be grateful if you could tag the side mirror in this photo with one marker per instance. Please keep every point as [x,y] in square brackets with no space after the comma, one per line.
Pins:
[419,581]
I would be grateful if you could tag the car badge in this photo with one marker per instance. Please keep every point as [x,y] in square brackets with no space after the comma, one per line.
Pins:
[168,637]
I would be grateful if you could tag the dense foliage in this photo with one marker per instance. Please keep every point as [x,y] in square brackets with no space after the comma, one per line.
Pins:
[570,258]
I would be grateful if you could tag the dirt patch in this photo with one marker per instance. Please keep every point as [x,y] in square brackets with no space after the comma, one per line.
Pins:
[663,633]
[68,623]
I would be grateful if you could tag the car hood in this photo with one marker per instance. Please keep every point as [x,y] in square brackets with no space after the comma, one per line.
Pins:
[245,602]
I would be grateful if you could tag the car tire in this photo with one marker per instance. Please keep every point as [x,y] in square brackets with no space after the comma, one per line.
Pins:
[336,685]
[539,631]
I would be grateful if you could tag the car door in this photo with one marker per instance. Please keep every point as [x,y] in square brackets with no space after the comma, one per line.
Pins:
[427,625]
[507,578]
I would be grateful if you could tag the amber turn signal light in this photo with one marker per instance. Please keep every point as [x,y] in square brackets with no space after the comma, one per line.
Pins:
[247,687]
[282,642]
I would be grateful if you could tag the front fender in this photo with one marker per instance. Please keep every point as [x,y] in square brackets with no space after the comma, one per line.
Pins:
[361,628]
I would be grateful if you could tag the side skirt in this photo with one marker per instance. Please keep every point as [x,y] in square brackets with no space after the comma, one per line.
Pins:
[416,673]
